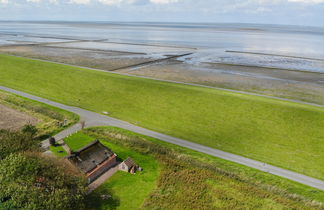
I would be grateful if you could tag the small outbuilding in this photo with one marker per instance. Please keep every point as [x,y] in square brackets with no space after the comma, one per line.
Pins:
[93,160]
[129,166]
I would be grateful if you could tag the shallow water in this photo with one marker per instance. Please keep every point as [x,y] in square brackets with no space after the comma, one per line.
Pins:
[211,40]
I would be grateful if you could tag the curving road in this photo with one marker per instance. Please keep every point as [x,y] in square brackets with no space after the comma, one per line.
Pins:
[95,119]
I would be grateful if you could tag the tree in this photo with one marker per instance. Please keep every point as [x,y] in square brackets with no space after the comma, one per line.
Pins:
[34,181]
[15,141]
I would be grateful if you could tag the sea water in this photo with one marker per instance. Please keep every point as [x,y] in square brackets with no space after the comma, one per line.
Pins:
[287,47]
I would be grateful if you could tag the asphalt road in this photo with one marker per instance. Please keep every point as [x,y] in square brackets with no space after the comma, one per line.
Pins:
[94,119]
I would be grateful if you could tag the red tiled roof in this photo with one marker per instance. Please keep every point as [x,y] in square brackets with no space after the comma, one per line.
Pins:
[129,162]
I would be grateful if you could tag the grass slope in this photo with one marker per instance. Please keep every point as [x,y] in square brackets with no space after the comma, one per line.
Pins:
[285,134]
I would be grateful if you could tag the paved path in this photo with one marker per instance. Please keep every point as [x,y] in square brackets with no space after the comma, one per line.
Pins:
[103,178]
[60,136]
[95,119]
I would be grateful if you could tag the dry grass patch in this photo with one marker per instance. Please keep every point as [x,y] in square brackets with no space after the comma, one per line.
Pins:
[13,119]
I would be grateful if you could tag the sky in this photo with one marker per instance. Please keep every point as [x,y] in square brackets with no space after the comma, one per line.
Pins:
[290,12]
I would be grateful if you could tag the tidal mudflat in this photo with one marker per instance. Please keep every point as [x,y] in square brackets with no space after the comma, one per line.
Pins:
[105,60]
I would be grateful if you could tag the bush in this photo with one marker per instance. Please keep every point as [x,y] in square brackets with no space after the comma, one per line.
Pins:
[33,181]
[29,129]
[16,141]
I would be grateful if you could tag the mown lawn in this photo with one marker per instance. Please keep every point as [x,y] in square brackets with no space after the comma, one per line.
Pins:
[128,191]
[285,134]
[58,151]
[77,141]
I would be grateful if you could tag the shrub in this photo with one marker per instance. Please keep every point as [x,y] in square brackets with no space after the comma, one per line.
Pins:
[29,129]
[15,141]
[33,181]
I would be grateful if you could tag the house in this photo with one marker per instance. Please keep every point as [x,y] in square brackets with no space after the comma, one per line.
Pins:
[93,160]
[128,165]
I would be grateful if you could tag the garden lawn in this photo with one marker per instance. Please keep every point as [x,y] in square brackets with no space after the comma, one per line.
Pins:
[77,141]
[59,151]
[128,190]
[281,133]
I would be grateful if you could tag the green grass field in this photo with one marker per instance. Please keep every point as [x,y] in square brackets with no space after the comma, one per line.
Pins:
[285,134]
[129,191]
[77,141]
[58,151]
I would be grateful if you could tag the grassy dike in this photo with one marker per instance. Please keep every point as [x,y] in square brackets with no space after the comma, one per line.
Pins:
[179,178]
[281,133]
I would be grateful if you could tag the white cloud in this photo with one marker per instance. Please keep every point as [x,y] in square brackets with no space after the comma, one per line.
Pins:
[118,2]
[35,1]
[308,1]
[163,1]
[221,3]
[80,1]
[111,2]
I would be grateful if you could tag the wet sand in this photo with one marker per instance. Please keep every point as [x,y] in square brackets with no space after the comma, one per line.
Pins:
[106,60]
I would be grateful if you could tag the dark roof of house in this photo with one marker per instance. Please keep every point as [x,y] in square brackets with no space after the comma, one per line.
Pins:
[88,157]
[129,162]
